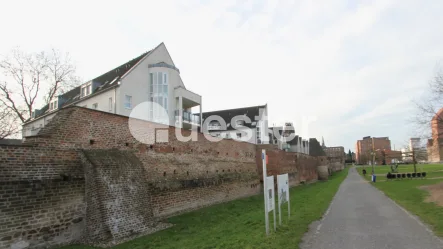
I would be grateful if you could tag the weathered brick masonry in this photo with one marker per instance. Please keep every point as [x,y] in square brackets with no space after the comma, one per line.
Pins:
[300,167]
[123,186]
[41,196]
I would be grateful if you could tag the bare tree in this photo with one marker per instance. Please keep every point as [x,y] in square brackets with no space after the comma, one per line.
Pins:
[33,76]
[427,108]
[8,123]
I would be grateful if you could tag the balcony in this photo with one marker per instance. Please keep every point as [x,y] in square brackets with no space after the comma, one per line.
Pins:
[192,118]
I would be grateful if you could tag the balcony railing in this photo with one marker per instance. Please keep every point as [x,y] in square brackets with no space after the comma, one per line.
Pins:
[188,117]
[214,127]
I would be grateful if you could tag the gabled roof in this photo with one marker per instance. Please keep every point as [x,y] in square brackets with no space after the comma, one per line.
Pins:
[227,115]
[104,82]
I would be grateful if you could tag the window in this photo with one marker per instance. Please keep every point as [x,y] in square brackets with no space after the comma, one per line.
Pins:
[86,90]
[240,122]
[55,104]
[128,101]
[95,106]
[158,93]
[110,104]
[51,106]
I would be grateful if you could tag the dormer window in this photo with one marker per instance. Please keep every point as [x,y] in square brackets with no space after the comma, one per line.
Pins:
[86,90]
[53,105]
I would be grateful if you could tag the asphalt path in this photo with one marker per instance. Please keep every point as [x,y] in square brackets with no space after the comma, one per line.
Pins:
[362,217]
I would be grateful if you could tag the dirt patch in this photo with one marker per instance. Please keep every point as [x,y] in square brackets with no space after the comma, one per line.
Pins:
[435,193]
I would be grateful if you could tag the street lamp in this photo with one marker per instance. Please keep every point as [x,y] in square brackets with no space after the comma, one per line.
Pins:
[373,161]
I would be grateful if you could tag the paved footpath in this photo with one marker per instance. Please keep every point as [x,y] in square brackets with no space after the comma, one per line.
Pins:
[362,217]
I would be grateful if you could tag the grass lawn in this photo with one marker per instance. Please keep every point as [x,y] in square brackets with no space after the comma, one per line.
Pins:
[240,223]
[407,194]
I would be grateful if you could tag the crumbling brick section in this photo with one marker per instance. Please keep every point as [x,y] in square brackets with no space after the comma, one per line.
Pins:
[118,200]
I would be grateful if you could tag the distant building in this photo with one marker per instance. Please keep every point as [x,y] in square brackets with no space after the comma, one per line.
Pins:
[365,147]
[335,153]
[386,156]
[247,119]
[435,144]
[414,142]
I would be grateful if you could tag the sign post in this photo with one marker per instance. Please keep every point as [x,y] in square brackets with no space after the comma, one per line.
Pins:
[263,156]
[283,193]
[269,194]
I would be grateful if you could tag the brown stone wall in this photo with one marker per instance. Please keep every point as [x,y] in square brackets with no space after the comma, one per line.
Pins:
[41,196]
[435,150]
[194,194]
[38,163]
[129,184]
[190,174]
[41,213]
[300,167]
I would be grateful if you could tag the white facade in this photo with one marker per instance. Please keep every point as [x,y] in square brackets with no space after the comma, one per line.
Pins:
[239,135]
[296,144]
[153,78]
[257,134]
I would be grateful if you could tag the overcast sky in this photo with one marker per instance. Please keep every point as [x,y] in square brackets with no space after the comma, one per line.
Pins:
[352,66]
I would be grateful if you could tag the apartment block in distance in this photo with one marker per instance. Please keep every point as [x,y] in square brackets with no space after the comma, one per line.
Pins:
[335,154]
[368,144]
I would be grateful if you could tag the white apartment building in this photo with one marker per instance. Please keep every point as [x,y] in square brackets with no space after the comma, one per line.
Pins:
[251,124]
[289,141]
[151,77]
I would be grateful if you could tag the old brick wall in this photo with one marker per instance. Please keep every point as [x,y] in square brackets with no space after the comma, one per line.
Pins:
[21,162]
[41,197]
[300,167]
[185,176]
[182,175]
[177,176]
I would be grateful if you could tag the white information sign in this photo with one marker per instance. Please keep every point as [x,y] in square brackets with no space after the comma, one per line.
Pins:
[283,193]
[270,193]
